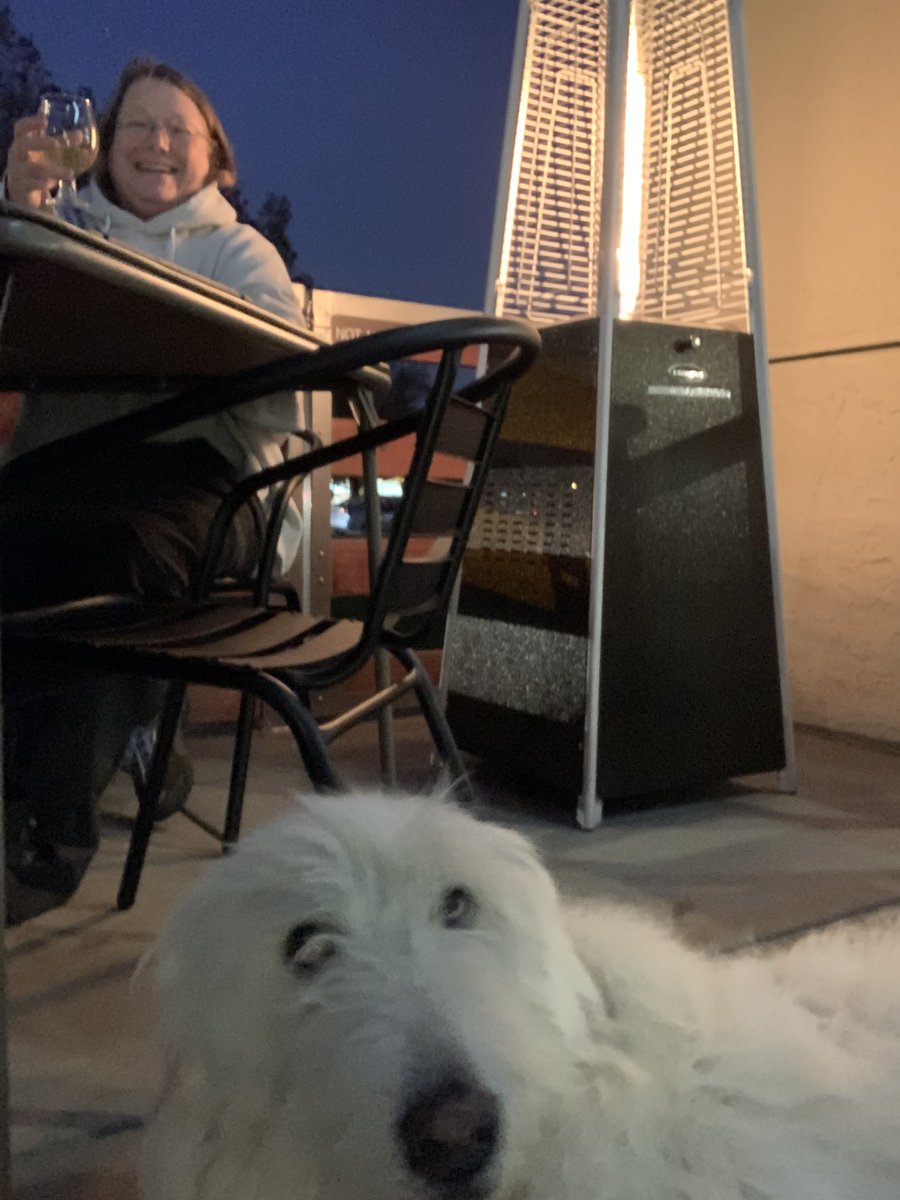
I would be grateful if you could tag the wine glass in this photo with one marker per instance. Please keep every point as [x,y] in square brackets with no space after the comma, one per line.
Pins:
[71,125]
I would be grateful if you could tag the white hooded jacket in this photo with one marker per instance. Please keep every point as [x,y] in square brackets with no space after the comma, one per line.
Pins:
[204,235]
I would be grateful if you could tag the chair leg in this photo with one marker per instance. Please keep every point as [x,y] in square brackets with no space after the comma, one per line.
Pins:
[386,746]
[366,418]
[149,794]
[302,724]
[314,753]
[441,733]
[298,719]
[238,782]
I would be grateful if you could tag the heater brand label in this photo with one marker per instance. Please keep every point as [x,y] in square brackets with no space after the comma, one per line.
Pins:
[688,374]
[689,392]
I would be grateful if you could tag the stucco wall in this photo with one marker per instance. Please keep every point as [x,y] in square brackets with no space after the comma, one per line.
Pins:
[826,108]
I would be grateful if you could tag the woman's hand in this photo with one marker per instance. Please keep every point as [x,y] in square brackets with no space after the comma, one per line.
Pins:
[29,172]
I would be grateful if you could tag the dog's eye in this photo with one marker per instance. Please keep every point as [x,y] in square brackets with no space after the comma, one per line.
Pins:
[459,908]
[308,947]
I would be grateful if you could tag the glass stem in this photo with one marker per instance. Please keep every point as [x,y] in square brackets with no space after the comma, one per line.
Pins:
[67,196]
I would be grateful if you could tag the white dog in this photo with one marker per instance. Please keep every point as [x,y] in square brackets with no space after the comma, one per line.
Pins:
[382,999]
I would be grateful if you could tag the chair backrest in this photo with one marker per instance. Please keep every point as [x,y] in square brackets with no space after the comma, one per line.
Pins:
[411,590]
[412,587]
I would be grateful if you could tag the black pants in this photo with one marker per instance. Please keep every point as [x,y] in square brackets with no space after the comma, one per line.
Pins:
[135,524]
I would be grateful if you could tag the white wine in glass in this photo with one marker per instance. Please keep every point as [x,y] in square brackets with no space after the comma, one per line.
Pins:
[71,124]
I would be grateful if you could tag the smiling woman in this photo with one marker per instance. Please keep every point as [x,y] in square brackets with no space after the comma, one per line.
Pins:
[157,159]
[160,141]
[129,526]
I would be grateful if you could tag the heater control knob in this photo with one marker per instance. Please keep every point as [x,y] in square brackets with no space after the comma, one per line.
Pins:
[688,343]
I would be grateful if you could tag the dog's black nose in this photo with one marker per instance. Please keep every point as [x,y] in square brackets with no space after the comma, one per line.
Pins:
[450,1132]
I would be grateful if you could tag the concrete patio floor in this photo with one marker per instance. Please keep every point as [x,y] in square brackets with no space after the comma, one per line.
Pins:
[743,865]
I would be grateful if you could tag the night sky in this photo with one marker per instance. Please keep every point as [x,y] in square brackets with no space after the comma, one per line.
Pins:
[381,120]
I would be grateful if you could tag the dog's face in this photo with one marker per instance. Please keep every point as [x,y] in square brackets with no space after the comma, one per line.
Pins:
[382,990]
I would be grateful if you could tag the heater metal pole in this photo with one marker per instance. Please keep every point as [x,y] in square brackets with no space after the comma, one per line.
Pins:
[788,776]
[590,805]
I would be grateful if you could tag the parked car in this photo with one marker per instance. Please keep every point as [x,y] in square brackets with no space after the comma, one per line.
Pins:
[348,519]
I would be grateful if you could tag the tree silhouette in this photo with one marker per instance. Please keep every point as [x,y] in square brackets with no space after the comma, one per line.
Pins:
[272,221]
[238,201]
[23,78]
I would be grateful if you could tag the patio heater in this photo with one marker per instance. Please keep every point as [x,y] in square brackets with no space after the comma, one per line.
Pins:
[618,629]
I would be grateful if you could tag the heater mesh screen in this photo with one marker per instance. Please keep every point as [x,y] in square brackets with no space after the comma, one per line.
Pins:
[691,240]
[544,510]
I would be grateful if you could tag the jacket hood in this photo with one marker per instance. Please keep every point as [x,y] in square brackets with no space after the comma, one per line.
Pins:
[204,211]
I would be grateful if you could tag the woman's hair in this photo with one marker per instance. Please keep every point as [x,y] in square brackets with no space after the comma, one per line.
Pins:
[223,168]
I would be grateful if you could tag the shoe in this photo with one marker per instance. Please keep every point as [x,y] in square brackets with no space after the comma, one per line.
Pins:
[40,876]
[179,779]
[178,784]
[43,870]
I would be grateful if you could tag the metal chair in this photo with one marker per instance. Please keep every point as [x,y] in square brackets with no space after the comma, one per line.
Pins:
[268,650]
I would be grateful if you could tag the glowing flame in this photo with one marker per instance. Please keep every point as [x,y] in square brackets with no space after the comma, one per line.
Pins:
[629,252]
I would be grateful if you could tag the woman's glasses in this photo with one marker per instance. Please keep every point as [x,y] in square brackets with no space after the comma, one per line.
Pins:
[143,127]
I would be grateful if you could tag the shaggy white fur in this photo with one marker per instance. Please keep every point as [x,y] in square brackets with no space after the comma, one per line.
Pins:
[382,999]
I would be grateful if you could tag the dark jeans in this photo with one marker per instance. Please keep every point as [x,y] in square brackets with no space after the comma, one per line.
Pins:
[135,524]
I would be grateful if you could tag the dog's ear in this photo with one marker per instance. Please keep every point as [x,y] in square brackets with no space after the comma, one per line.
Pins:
[142,991]
[184,1136]
[183,1123]
[146,1008]
[153,993]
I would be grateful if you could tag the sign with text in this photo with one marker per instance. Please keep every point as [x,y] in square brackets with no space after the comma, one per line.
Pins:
[345,327]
